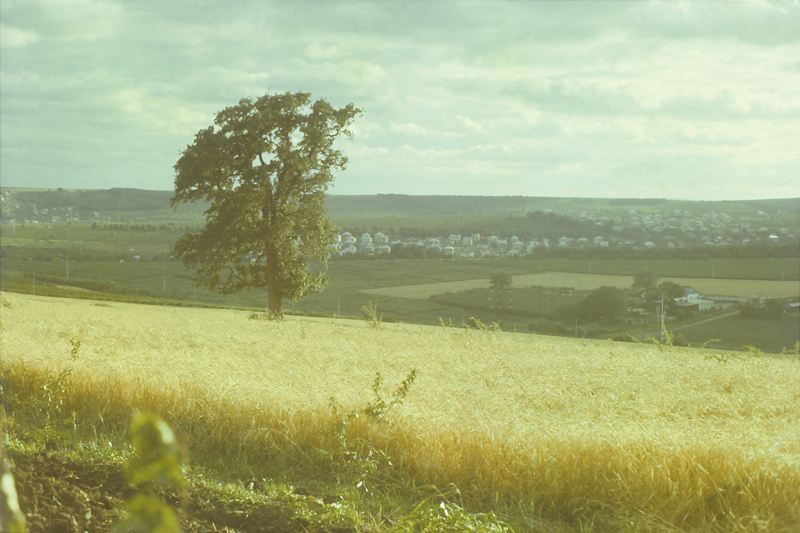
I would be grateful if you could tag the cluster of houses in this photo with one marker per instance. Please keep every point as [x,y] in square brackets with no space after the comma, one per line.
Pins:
[672,229]
[675,229]
[454,245]
[683,228]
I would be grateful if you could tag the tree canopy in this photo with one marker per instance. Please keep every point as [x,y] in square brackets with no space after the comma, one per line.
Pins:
[264,168]
[603,303]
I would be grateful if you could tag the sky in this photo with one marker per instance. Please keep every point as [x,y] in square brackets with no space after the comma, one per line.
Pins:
[684,100]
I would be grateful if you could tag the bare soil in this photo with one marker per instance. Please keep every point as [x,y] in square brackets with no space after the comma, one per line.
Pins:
[58,494]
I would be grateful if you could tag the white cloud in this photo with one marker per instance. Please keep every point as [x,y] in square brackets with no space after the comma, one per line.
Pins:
[454,95]
[412,129]
[148,113]
[80,20]
[468,125]
[11,37]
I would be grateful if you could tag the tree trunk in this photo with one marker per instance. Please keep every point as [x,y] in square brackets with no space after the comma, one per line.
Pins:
[275,303]
[275,293]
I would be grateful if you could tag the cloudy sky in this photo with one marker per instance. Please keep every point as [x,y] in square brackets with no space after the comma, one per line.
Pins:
[690,100]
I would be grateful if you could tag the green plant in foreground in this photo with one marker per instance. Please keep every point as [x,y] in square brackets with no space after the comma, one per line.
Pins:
[155,461]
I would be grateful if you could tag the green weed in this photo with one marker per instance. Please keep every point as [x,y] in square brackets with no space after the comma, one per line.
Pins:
[371,316]
[155,461]
[358,460]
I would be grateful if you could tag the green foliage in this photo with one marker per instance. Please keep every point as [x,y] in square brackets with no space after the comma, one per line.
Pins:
[437,514]
[145,513]
[155,458]
[603,303]
[499,282]
[371,316]
[645,282]
[770,309]
[155,461]
[357,462]
[794,352]
[49,391]
[670,290]
[264,173]
[378,409]
[475,323]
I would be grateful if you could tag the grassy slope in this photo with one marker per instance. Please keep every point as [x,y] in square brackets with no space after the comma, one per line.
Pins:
[540,430]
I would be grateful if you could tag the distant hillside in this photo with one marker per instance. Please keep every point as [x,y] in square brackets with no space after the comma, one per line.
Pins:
[383,205]
[136,205]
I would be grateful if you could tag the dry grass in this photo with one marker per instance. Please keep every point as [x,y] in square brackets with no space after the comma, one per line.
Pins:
[671,435]
[717,287]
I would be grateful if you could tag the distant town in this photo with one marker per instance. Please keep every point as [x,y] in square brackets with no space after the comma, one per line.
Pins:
[543,230]
[675,229]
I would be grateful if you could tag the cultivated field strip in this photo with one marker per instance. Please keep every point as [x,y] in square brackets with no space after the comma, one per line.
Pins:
[714,287]
[644,427]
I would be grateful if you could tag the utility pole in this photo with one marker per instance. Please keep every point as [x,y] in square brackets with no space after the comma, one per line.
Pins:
[67,266]
[34,283]
[662,317]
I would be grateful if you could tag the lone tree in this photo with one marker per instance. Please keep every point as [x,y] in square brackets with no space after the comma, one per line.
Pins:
[264,170]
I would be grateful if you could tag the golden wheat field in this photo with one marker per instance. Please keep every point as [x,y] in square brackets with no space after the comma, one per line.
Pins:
[689,436]
[716,287]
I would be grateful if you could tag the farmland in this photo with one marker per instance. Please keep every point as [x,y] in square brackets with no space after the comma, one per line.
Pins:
[548,433]
[124,254]
[133,263]
[718,287]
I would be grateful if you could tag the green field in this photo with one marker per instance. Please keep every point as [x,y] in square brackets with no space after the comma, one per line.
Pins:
[735,332]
